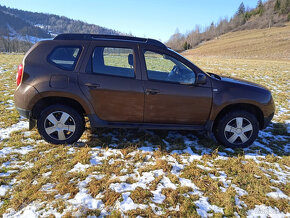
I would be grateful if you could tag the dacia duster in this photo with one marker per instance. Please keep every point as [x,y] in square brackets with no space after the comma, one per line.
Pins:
[130,82]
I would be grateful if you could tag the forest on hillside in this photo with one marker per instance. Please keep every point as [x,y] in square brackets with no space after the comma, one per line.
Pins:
[19,29]
[55,24]
[266,15]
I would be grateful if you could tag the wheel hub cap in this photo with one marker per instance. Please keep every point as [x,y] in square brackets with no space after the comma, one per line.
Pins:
[238,130]
[59,125]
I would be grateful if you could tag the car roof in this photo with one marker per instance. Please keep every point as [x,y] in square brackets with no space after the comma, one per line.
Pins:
[81,36]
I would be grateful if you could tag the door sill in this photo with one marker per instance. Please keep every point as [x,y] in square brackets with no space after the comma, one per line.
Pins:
[156,126]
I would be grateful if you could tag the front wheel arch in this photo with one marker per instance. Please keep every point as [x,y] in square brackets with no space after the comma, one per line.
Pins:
[240,106]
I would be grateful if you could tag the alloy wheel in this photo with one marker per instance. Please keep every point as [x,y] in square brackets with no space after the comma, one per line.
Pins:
[59,125]
[238,130]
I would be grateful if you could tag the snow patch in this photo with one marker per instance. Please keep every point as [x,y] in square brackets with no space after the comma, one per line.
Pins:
[79,167]
[4,189]
[82,198]
[263,211]
[204,207]
[277,194]
[128,204]
[23,150]
[48,187]
[188,183]
[5,133]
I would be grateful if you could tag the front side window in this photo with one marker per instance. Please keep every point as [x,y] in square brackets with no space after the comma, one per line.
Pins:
[113,61]
[64,57]
[166,68]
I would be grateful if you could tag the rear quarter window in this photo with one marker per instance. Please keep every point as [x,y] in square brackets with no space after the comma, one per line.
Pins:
[65,57]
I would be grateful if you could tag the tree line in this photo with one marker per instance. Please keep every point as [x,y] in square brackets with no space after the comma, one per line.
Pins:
[265,15]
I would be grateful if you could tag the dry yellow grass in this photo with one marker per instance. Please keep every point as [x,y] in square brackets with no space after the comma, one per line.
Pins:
[220,175]
[8,68]
[270,44]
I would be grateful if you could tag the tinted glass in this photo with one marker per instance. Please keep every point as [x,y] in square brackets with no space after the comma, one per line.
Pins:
[65,57]
[166,68]
[114,61]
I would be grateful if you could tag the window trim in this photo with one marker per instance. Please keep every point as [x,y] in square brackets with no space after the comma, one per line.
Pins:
[171,82]
[61,67]
[119,76]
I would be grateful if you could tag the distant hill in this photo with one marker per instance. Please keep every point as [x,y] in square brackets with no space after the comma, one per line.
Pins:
[20,27]
[54,24]
[267,14]
[269,44]
[12,26]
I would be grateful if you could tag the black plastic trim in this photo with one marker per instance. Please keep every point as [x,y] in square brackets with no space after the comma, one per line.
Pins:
[77,36]
[23,112]
[267,120]
[96,123]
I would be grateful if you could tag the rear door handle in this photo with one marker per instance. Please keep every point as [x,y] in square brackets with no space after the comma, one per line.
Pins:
[92,85]
[152,91]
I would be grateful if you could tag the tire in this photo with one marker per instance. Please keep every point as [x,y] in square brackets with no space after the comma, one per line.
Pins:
[237,129]
[60,124]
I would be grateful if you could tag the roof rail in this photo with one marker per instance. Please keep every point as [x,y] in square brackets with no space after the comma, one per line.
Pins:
[83,36]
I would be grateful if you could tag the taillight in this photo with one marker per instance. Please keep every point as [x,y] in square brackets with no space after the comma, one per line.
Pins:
[19,74]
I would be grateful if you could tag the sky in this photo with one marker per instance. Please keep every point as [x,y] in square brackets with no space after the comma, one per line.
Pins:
[157,19]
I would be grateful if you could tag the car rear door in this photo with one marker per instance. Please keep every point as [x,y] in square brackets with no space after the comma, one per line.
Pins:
[169,98]
[112,81]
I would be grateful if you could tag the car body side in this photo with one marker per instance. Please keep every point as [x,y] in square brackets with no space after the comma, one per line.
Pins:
[44,83]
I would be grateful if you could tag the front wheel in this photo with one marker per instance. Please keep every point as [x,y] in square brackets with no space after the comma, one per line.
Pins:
[60,124]
[237,129]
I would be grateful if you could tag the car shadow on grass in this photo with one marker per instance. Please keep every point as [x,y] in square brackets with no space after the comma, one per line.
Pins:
[274,140]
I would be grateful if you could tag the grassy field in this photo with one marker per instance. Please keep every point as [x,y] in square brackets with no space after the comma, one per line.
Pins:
[265,44]
[117,172]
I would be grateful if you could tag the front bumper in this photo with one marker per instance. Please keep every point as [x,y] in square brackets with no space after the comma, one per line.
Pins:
[27,114]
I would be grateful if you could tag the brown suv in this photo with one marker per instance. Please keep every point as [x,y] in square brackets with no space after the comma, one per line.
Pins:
[129,82]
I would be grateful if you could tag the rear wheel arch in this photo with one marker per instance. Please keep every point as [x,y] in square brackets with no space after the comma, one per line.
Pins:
[241,106]
[47,101]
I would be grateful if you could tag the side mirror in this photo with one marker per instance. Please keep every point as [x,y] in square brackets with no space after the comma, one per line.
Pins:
[201,78]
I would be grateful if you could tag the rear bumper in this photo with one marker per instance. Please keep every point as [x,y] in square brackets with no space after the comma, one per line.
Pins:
[23,112]
[27,114]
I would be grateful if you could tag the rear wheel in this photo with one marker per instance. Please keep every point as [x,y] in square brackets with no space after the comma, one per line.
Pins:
[237,129]
[60,124]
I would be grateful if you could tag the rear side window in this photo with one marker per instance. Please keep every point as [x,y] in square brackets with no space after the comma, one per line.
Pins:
[113,61]
[65,57]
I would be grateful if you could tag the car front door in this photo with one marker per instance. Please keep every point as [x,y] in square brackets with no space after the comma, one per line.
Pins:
[171,93]
[112,82]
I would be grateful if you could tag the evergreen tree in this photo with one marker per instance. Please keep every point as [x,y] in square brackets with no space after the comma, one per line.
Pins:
[285,6]
[260,4]
[260,7]
[241,9]
[277,5]
[186,45]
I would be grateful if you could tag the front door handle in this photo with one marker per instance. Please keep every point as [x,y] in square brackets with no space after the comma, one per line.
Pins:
[92,85]
[152,91]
